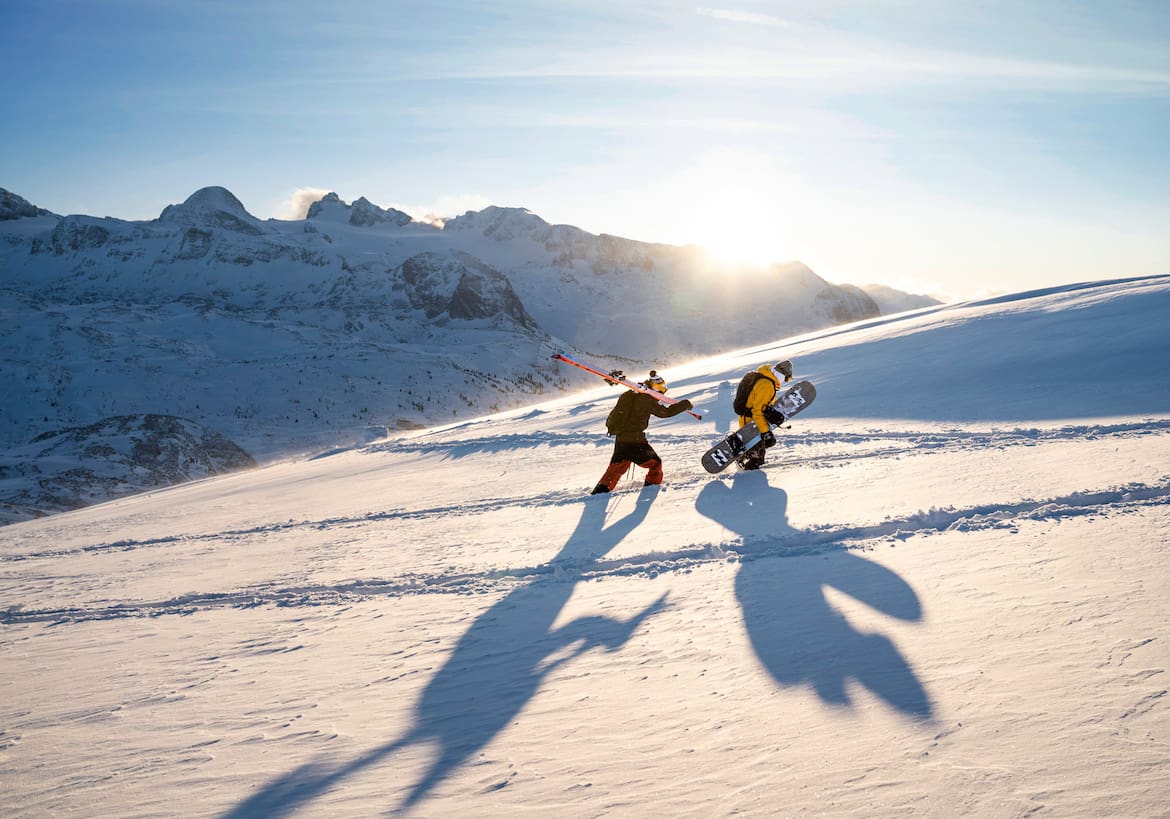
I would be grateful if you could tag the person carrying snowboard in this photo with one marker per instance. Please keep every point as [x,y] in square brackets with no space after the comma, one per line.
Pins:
[627,422]
[761,386]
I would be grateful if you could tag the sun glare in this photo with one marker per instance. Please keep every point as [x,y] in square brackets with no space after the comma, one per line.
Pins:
[738,227]
[735,209]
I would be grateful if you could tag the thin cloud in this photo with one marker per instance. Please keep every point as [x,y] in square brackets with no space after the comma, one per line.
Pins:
[868,67]
[297,205]
[749,17]
[446,206]
[820,56]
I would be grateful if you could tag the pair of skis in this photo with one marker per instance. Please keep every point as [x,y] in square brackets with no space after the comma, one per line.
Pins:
[616,377]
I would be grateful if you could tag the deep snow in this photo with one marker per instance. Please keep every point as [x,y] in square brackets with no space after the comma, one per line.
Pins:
[945,595]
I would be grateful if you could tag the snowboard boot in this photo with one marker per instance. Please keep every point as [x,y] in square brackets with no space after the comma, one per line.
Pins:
[754,459]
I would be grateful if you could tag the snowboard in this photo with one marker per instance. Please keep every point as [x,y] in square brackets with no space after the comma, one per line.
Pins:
[793,400]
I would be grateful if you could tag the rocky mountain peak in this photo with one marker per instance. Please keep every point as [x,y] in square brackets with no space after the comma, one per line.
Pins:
[212,207]
[17,207]
[501,223]
[325,206]
[365,212]
[362,213]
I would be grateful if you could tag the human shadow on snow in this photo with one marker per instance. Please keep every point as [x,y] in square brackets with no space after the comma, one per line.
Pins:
[796,632]
[496,668]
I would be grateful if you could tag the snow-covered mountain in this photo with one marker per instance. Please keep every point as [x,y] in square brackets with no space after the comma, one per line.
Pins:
[945,595]
[890,300]
[294,336]
[112,458]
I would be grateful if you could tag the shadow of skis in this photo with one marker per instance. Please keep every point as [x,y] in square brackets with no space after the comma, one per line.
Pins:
[496,668]
[795,631]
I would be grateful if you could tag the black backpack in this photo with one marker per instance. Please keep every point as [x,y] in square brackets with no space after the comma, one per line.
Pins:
[621,412]
[739,404]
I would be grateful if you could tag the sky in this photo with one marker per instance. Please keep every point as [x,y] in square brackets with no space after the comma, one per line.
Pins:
[955,148]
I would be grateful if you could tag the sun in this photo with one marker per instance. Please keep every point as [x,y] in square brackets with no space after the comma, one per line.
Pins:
[740,227]
[734,209]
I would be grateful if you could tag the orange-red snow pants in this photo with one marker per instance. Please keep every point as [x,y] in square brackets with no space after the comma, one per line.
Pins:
[626,453]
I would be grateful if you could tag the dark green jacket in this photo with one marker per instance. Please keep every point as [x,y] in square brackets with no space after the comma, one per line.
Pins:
[631,415]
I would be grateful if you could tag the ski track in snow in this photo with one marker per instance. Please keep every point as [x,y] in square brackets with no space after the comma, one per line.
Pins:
[1106,501]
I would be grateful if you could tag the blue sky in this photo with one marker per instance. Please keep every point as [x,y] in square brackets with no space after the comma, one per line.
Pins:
[951,147]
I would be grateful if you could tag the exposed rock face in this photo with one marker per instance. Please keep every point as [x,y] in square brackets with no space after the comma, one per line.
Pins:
[364,213]
[196,243]
[77,233]
[17,207]
[109,459]
[461,286]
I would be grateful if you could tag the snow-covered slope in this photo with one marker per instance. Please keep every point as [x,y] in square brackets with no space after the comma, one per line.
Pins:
[945,595]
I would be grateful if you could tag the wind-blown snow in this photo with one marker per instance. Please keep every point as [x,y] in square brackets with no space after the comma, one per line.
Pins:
[945,595]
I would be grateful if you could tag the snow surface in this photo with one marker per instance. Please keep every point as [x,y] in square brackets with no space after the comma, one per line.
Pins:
[946,594]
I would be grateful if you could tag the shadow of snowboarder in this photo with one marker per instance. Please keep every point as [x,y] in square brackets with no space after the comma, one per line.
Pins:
[722,415]
[496,668]
[795,631]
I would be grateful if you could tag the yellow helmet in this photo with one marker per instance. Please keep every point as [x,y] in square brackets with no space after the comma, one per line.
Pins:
[655,382]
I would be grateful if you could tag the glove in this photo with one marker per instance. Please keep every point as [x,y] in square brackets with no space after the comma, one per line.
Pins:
[773,416]
[614,375]
[768,438]
[686,404]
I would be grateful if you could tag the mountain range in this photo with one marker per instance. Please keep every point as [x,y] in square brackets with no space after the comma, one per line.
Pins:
[293,336]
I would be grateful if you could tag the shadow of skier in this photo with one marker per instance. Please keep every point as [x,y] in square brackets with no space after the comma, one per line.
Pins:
[795,631]
[496,668]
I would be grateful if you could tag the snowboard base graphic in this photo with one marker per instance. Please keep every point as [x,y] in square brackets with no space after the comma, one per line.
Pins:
[793,400]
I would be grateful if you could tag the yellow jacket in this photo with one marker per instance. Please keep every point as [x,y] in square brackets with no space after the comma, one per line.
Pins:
[761,395]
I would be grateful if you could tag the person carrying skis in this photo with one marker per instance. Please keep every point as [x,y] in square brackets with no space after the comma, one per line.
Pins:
[758,408]
[627,422]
